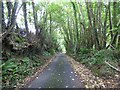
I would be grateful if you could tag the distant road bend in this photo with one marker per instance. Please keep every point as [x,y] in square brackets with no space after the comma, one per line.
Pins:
[59,74]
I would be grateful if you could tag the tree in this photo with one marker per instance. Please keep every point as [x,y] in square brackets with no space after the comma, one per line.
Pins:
[25,17]
[76,26]
[3,19]
[35,17]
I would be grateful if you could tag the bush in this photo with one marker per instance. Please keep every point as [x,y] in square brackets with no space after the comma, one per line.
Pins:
[84,51]
[36,61]
[15,70]
[95,60]
[45,53]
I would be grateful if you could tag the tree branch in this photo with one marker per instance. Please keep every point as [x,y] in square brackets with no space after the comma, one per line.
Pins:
[112,66]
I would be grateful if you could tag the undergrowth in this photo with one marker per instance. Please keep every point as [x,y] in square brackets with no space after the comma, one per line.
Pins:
[95,61]
[15,69]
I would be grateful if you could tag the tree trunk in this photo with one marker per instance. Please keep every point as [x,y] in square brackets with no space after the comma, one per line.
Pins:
[115,14]
[3,19]
[89,15]
[110,21]
[70,35]
[96,35]
[105,28]
[115,23]
[35,17]
[50,23]
[92,22]
[45,21]
[76,26]
[9,8]
[25,17]
[13,16]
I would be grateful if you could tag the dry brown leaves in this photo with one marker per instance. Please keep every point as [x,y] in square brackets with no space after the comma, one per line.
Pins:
[89,80]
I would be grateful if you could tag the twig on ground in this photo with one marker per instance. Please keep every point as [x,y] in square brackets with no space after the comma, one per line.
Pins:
[112,66]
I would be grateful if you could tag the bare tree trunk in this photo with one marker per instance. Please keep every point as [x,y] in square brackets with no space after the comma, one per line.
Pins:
[105,28]
[115,14]
[9,8]
[45,21]
[35,17]
[3,19]
[12,20]
[13,16]
[99,24]
[70,35]
[82,16]
[115,23]
[76,25]
[89,16]
[50,23]
[110,21]
[96,35]
[25,17]
[66,32]
[92,21]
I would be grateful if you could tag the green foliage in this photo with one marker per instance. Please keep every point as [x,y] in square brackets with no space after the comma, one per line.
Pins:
[45,53]
[19,39]
[54,7]
[97,57]
[12,71]
[84,51]
[84,54]
[15,70]
[70,22]
[108,55]
[36,61]
[95,60]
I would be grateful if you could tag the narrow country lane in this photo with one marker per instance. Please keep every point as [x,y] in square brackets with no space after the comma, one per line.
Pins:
[59,74]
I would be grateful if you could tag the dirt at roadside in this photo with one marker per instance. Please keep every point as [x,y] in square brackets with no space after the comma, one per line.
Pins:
[90,80]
